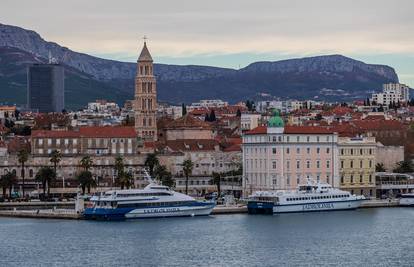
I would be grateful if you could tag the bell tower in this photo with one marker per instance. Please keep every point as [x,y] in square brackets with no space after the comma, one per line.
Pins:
[145,105]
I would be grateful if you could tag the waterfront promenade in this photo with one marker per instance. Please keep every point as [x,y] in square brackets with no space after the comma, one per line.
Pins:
[66,210]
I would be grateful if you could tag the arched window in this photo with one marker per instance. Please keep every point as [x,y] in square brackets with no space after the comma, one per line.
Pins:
[144,122]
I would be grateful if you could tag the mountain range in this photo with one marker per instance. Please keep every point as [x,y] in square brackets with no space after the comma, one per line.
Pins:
[331,77]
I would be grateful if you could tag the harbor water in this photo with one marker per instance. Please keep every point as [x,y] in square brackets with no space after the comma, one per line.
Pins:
[364,237]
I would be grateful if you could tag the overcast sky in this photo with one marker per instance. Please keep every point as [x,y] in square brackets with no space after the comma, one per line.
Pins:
[227,33]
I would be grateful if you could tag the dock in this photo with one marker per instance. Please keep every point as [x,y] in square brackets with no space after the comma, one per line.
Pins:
[66,210]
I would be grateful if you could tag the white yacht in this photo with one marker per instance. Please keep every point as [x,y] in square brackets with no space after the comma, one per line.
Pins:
[152,201]
[309,197]
[407,199]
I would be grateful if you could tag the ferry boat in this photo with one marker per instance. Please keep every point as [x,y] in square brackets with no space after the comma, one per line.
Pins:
[407,199]
[311,196]
[151,202]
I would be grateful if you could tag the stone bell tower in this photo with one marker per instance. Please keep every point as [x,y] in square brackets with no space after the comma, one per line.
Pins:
[145,105]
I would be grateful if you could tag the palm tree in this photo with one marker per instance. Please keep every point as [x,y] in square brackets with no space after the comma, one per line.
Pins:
[405,166]
[125,180]
[119,165]
[187,169]
[379,167]
[8,180]
[163,175]
[23,156]
[55,158]
[86,162]
[46,176]
[86,181]
[151,162]
[217,182]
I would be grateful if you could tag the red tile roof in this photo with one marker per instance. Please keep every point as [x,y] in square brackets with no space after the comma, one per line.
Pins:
[257,130]
[290,129]
[97,132]
[188,145]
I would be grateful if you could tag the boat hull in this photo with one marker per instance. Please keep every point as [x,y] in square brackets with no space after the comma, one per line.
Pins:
[203,209]
[270,208]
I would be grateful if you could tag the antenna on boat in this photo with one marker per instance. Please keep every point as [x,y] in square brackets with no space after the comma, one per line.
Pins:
[148,176]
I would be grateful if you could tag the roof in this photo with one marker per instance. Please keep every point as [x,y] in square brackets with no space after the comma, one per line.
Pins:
[290,129]
[8,108]
[187,121]
[188,145]
[97,132]
[145,54]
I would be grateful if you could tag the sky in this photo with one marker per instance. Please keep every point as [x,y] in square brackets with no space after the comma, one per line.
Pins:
[226,33]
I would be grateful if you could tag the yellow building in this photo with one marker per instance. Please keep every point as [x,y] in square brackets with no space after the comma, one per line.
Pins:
[357,165]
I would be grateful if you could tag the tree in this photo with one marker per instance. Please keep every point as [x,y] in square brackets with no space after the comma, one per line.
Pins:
[379,167]
[217,182]
[318,117]
[55,158]
[187,169]
[86,181]
[163,175]
[212,116]
[125,180]
[405,166]
[22,157]
[238,113]
[8,180]
[46,176]
[183,109]
[86,162]
[151,162]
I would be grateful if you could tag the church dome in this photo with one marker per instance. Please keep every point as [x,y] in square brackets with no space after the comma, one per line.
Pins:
[275,120]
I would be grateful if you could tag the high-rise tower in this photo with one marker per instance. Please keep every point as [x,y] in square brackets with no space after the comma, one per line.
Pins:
[145,97]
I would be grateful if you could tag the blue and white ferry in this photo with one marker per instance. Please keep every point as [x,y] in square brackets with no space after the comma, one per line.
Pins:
[311,196]
[151,202]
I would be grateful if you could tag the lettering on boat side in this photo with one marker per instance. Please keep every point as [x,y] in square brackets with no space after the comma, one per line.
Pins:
[161,210]
[316,206]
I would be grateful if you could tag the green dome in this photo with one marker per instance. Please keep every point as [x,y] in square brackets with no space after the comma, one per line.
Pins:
[275,120]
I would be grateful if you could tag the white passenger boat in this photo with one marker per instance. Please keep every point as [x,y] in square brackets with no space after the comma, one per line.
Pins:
[309,197]
[151,202]
[407,199]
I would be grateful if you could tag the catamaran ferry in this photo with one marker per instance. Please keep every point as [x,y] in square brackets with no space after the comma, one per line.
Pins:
[151,202]
[309,197]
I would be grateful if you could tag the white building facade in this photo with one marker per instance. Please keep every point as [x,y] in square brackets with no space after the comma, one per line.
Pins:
[392,92]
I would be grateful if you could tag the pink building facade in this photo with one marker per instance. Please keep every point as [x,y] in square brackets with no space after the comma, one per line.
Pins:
[282,157]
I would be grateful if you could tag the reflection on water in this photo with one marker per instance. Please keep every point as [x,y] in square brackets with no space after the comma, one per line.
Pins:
[363,237]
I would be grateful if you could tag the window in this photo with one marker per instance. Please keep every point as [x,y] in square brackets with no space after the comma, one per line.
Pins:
[298,164]
[360,178]
[287,139]
[274,150]
[298,150]
[274,138]
[351,163]
[58,141]
[342,179]
[40,141]
[297,138]
[318,150]
[288,164]
[288,180]
[328,164]
[307,138]
[49,141]
[370,151]
[342,163]
[352,151]
[360,163]
[66,141]
[370,178]
[308,150]
[360,151]
[308,164]
[370,163]
[274,164]
[327,150]
[342,151]
[74,151]
[298,179]
[318,164]
[352,178]
[317,139]
[287,150]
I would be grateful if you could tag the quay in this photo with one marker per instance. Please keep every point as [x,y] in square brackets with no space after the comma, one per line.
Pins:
[66,210]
